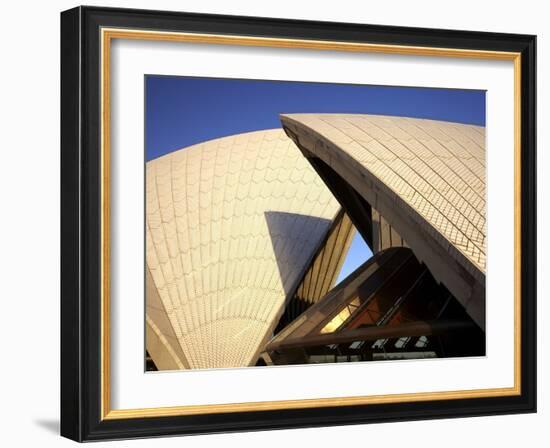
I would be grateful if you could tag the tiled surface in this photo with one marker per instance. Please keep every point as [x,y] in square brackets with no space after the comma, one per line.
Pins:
[325,268]
[437,168]
[231,225]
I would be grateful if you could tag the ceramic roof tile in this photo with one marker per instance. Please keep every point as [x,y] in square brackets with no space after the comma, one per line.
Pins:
[221,218]
[437,168]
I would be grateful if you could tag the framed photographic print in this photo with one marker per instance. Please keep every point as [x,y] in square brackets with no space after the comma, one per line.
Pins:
[274,224]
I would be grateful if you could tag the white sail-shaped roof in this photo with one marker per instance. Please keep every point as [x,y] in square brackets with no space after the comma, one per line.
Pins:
[426,177]
[231,226]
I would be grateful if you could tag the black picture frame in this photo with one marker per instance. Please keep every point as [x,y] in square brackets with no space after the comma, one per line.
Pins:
[81,209]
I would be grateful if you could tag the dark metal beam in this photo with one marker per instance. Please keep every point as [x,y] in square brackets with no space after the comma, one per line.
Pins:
[419,328]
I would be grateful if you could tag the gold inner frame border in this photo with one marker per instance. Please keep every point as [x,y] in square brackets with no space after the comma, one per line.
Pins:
[107,35]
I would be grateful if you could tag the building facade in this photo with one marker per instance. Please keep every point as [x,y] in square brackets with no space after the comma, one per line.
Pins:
[246,236]
[231,226]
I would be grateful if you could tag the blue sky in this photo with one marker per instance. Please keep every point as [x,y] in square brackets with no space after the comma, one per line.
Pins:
[358,253]
[182,111]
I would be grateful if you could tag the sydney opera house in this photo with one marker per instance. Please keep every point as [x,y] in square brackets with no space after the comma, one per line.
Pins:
[246,236]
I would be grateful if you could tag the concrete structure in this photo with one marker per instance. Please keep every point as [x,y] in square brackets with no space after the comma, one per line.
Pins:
[408,182]
[323,270]
[391,307]
[231,227]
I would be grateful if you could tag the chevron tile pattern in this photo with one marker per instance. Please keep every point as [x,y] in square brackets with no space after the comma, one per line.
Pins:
[231,225]
[437,168]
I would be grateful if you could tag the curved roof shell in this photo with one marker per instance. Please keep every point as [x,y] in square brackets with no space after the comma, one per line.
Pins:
[426,177]
[231,226]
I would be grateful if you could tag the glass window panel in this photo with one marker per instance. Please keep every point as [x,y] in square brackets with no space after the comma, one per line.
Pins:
[401,342]
[379,343]
[337,321]
[422,342]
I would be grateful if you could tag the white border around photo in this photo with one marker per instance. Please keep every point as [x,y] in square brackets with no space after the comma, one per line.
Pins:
[131,387]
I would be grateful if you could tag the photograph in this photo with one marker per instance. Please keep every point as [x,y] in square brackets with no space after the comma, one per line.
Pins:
[274,223]
[307,223]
